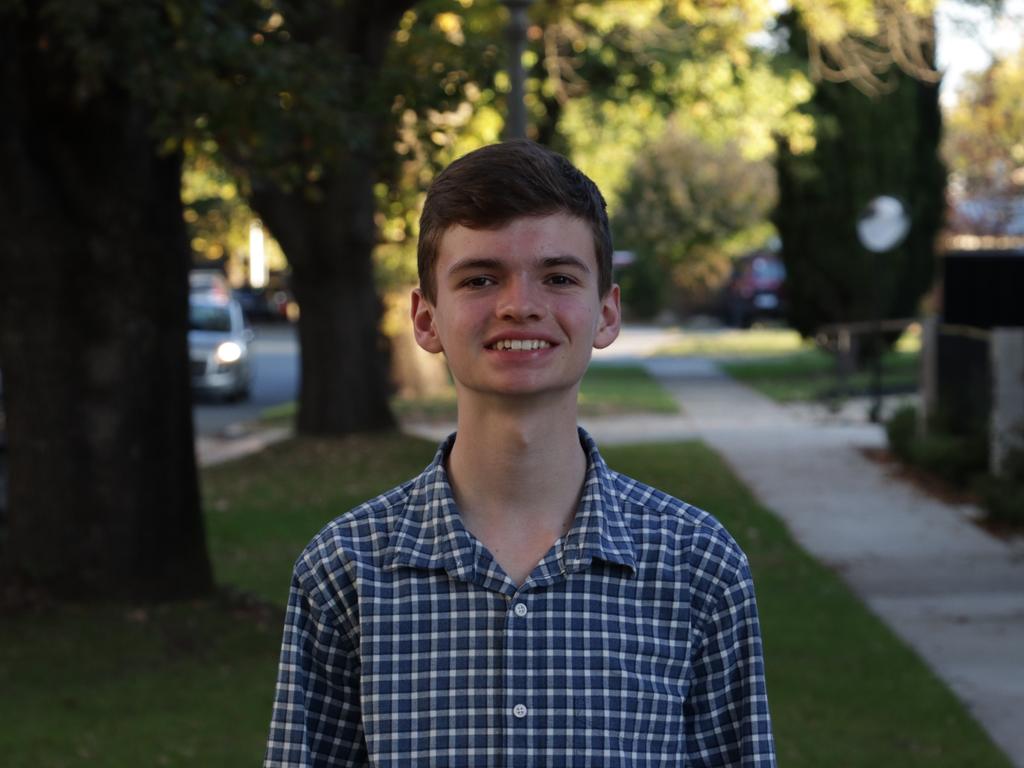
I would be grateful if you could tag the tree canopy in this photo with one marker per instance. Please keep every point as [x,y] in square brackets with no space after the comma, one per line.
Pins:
[984,142]
[689,206]
[330,116]
[865,146]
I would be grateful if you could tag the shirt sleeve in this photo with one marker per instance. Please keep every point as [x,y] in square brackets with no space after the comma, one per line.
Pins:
[726,711]
[316,719]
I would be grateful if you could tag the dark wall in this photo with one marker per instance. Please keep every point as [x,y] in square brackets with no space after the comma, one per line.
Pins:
[983,289]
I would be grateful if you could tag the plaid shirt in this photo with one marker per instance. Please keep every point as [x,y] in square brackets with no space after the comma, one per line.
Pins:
[634,642]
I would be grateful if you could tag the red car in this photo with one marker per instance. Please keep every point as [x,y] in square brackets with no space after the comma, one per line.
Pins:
[755,289]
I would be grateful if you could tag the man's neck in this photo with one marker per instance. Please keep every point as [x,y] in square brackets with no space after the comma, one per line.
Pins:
[516,473]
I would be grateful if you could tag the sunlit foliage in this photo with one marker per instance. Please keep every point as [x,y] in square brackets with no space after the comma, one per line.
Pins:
[605,78]
[689,206]
[252,85]
[218,217]
[984,142]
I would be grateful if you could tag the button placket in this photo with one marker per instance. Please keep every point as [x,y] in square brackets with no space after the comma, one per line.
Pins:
[518,666]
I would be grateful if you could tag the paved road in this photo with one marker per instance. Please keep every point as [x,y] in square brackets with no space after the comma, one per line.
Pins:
[275,355]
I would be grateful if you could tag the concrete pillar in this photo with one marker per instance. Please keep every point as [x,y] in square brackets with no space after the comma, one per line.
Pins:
[1007,420]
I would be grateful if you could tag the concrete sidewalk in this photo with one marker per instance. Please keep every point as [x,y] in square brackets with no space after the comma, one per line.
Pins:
[237,441]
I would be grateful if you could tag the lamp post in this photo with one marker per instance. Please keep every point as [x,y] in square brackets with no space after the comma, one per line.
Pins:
[882,226]
[517,25]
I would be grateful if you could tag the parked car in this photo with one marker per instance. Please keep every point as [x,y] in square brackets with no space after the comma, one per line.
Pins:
[270,304]
[755,290]
[218,342]
[209,283]
[256,304]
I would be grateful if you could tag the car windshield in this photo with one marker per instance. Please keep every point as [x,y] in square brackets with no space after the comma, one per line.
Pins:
[769,270]
[204,318]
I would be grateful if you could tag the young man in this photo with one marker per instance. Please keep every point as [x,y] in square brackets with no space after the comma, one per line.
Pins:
[519,603]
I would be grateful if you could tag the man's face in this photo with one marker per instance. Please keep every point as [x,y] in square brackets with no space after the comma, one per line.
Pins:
[517,310]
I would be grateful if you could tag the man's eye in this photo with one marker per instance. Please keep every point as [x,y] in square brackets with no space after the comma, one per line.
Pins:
[561,280]
[478,282]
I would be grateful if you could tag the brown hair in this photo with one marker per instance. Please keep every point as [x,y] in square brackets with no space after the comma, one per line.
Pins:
[491,186]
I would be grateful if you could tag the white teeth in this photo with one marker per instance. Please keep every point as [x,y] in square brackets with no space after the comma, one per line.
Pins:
[521,345]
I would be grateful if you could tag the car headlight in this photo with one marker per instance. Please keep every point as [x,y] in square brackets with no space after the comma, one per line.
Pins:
[229,352]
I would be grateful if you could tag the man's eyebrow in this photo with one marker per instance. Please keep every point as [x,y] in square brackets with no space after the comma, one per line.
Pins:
[475,263]
[565,260]
[548,262]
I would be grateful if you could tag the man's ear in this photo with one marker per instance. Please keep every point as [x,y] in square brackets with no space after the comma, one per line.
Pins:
[422,312]
[610,320]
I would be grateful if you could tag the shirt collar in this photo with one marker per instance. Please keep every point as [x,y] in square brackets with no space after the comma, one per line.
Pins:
[430,534]
[599,530]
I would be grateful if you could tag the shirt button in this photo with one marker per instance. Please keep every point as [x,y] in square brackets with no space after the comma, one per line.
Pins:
[519,710]
[520,610]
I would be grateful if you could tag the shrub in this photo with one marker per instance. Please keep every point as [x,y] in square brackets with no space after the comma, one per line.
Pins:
[644,287]
[1004,495]
[961,460]
[901,429]
[954,458]
[1003,499]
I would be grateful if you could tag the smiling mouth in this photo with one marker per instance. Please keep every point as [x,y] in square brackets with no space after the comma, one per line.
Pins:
[519,345]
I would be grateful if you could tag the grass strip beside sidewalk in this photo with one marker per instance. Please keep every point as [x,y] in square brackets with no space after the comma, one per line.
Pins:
[810,374]
[190,684]
[606,390]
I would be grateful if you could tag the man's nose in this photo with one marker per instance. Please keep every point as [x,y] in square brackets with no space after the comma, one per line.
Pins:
[520,300]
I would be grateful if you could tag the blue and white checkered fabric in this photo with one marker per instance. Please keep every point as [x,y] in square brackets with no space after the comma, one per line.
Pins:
[635,641]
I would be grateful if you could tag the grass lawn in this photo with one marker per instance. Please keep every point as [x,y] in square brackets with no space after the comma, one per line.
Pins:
[810,374]
[191,684]
[736,343]
[778,363]
[609,389]
[605,390]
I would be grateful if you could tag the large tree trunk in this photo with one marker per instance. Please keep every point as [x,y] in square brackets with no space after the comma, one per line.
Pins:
[329,237]
[344,371]
[103,489]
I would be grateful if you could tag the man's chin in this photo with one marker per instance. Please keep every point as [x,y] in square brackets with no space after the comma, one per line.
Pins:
[523,392]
